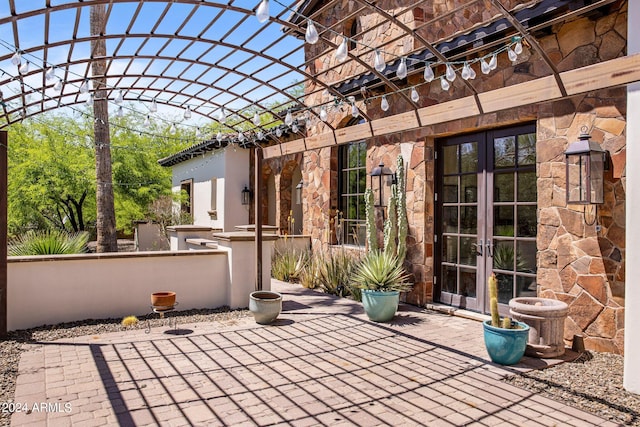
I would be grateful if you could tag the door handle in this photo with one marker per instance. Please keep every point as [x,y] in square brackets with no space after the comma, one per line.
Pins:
[489,248]
[478,248]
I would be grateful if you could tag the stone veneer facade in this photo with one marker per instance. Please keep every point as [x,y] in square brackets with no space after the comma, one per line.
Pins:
[580,264]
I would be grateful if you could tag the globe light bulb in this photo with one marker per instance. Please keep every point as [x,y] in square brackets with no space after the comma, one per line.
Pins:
[187,113]
[219,136]
[120,111]
[84,87]
[154,106]
[472,73]
[450,74]
[513,57]
[378,62]
[288,119]
[342,50]
[518,47]
[415,96]
[323,114]
[260,135]
[484,66]
[262,13]
[50,74]
[428,74]
[240,137]
[311,35]
[222,115]
[493,62]
[256,119]
[172,129]
[444,84]
[24,68]
[294,128]
[354,110]
[198,133]
[278,132]
[384,104]
[147,121]
[89,101]
[466,71]
[401,72]
[16,59]
[119,97]
[58,86]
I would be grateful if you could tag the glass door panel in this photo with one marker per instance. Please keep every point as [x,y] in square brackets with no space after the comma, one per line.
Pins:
[488,217]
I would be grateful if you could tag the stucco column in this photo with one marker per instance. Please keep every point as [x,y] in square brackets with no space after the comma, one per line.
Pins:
[632,283]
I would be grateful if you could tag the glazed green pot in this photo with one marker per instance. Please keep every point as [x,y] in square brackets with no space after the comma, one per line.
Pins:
[380,306]
[505,346]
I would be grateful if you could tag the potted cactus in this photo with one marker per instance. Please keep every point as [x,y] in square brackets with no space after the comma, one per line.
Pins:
[505,339]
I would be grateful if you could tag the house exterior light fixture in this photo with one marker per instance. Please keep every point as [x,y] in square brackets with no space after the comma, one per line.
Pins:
[381,177]
[299,193]
[246,196]
[585,163]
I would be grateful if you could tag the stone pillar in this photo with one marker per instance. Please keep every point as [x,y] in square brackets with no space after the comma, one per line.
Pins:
[632,284]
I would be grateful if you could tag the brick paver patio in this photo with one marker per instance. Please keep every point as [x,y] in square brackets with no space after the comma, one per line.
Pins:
[321,363]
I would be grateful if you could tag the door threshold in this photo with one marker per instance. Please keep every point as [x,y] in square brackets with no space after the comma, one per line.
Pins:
[455,311]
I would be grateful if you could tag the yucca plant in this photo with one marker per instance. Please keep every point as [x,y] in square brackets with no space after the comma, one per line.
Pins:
[287,265]
[48,242]
[335,271]
[309,276]
[381,271]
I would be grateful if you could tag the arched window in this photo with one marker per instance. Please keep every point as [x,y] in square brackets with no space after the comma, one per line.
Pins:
[353,31]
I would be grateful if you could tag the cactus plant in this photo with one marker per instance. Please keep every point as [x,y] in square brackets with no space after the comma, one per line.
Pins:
[391,224]
[401,209]
[506,323]
[372,238]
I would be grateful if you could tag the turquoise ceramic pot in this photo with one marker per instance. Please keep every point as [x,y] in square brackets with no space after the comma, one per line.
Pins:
[505,346]
[380,306]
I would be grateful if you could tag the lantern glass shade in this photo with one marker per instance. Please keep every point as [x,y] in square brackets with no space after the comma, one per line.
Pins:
[381,177]
[246,196]
[299,193]
[585,163]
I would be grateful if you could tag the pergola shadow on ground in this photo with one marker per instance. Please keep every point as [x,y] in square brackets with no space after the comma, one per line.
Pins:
[321,363]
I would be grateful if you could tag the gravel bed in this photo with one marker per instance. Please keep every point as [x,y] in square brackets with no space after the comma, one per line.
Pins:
[11,348]
[592,383]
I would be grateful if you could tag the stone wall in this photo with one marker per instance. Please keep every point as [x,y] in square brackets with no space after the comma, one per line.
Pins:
[578,263]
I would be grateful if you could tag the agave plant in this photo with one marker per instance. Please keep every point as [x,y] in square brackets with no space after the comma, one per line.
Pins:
[287,265]
[381,271]
[48,242]
[335,271]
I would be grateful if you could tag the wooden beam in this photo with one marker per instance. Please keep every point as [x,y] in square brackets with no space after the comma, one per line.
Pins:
[447,111]
[614,72]
[3,235]
[353,133]
[531,92]
[320,141]
[272,151]
[396,123]
[295,146]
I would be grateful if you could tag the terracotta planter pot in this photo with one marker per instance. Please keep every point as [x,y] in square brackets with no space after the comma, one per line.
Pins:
[163,299]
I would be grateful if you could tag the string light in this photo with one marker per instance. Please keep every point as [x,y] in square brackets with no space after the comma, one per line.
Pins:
[119,98]
[256,119]
[219,136]
[493,63]
[120,111]
[342,51]
[401,72]
[513,57]
[444,83]
[89,101]
[378,63]
[154,106]
[278,132]
[58,86]
[262,13]
[147,122]
[84,87]
[354,110]
[172,129]
[198,133]
[415,96]
[384,104]
[466,71]
[518,47]
[24,68]
[323,114]
[484,66]
[50,74]
[428,74]
[187,113]
[222,115]
[294,128]
[288,119]
[311,35]
[16,59]
[450,73]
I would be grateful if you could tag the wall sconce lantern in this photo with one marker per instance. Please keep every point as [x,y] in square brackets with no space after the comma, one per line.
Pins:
[246,196]
[381,177]
[299,193]
[585,164]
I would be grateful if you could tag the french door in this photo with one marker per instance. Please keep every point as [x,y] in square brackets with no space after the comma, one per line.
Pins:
[486,217]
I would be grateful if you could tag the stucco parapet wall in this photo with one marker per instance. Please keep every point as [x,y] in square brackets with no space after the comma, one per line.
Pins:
[188,227]
[243,236]
[112,255]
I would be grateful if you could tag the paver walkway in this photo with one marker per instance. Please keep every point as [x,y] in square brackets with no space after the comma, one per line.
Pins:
[321,363]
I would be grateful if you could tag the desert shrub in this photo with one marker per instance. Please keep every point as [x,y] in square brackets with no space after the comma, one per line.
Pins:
[48,242]
[288,264]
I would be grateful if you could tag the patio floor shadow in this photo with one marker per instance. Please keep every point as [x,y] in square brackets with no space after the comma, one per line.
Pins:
[321,363]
